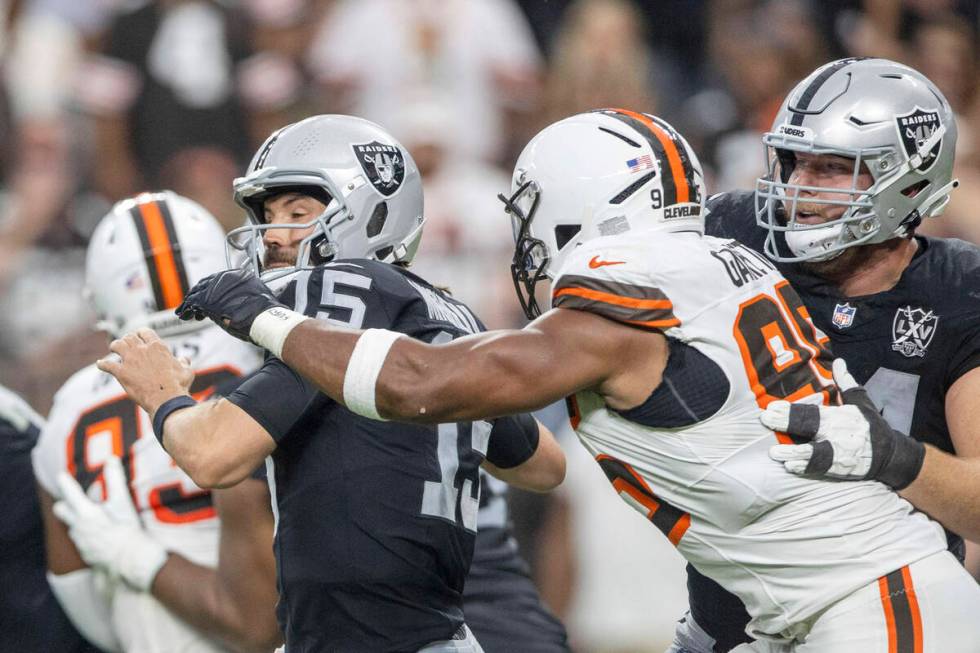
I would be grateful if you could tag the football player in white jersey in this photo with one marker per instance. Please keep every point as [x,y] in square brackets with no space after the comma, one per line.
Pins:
[142,258]
[670,344]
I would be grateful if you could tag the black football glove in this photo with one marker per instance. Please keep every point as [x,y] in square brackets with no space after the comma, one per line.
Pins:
[232,299]
[849,442]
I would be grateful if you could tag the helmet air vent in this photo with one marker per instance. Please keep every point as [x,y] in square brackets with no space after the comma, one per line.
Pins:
[914,189]
[632,188]
[377,220]
[621,137]
[307,145]
[565,232]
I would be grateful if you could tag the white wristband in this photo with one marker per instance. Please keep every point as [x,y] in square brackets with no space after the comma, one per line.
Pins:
[271,327]
[363,370]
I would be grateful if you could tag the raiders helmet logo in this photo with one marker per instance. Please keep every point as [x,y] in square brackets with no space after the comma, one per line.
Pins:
[914,129]
[384,165]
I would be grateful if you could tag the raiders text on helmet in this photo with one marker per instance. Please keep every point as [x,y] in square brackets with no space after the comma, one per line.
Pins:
[144,256]
[367,180]
[890,121]
[597,174]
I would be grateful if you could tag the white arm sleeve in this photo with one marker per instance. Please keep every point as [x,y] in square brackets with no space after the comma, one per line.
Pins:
[87,609]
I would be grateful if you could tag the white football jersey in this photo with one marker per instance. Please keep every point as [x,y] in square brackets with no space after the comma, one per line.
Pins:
[693,459]
[93,418]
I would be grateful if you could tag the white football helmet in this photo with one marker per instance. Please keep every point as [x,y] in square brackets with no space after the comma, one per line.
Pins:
[597,174]
[144,256]
[883,116]
[367,180]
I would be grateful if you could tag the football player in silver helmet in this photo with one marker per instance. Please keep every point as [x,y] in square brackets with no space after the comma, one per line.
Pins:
[377,521]
[860,153]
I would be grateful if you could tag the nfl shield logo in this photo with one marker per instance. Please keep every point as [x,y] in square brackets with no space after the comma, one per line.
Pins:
[383,165]
[912,331]
[843,315]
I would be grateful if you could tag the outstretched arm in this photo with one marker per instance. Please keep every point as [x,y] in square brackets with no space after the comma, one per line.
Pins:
[489,374]
[379,374]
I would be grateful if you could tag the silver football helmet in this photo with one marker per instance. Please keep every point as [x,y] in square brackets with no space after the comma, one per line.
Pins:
[889,120]
[369,183]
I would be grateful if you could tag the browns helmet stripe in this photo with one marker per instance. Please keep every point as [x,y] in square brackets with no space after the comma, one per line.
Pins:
[803,103]
[685,157]
[161,249]
[168,222]
[678,184]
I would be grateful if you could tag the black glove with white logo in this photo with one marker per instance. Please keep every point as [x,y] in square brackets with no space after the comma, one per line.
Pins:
[232,299]
[850,442]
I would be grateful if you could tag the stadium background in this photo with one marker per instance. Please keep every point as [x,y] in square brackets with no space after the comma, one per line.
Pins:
[100,99]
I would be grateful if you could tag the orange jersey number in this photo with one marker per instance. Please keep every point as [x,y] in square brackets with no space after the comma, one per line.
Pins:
[783,357]
[119,417]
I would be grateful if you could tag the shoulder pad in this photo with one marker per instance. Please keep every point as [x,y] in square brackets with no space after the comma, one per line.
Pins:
[610,277]
[17,412]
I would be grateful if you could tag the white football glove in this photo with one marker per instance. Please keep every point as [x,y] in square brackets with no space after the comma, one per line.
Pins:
[850,442]
[109,535]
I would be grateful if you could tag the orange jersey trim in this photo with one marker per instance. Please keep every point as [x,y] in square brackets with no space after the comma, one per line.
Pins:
[619,300]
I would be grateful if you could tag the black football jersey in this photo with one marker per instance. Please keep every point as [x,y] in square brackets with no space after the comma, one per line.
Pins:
[30,617]
[376,521]
[906,345]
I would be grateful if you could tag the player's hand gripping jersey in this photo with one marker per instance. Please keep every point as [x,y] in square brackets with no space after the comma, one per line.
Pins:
[92,419]
[694,457]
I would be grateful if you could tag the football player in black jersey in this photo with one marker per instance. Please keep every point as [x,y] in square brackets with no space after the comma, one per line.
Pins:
[860,153]
[376,522]
[32,618]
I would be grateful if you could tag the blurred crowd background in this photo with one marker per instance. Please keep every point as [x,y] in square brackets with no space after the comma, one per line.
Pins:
[100,99]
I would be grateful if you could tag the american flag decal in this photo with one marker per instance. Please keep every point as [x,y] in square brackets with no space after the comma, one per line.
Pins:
[640,163]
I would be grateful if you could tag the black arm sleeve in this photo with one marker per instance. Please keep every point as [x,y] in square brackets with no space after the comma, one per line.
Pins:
[513,440]
[275,396]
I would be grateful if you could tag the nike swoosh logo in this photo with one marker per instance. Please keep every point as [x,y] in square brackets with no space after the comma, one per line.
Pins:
[596,263]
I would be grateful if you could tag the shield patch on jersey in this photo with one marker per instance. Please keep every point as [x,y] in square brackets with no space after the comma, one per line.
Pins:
[914,129]
[384,165]
[912,331]
[843,315]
